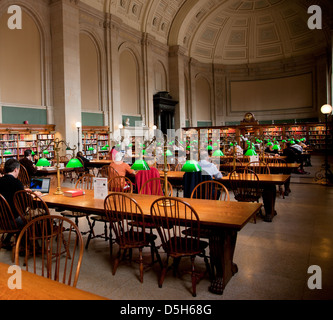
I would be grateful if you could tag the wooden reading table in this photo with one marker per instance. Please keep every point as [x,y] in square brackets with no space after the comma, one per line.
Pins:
[224,219]
[267,182]
[36,287]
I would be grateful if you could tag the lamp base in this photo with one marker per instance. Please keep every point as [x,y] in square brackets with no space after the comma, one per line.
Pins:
[166,203]
[58,192]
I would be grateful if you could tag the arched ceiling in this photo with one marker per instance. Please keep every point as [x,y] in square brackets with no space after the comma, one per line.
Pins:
[227,31]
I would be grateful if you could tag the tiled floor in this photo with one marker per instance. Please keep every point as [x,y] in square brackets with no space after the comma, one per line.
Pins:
[272,258]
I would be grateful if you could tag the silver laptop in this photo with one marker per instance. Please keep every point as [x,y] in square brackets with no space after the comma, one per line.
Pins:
[40,184]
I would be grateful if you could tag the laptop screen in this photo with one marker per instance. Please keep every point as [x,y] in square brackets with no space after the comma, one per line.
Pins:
[40,184]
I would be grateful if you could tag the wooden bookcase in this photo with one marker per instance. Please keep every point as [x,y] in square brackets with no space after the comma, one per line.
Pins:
[95,137]
[313,132]
[17,138]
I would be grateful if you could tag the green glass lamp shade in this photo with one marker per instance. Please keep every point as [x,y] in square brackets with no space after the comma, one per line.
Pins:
[46,152]
[130,145]
[283,141]
[168,153]
[7,152]
[32,153]
[91,149]
[218,153]
[74,163]
[140,164]
[209,148]
[276,147]
[107,146]
[191,166]
[104,148]
[231,144]
[292,141]
[188,147]
[144,152]
[42,162]
[250,152]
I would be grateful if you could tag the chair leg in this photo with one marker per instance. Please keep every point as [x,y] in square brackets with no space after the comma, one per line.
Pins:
[116,262]
[141,265]
[194,278]
[90,234]
[164,270]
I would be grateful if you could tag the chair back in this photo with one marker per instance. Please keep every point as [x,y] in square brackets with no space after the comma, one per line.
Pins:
[119,209]
[86,182]
[170,216]
[120,184]
[156,186]
[7,220]
[245,185]
[55,254]
[23,176]
[112,173]
[29,205]
[258,167]
[143,175]
[212,190]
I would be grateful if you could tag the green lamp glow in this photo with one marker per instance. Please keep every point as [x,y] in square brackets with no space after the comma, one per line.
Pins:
[292,142]
[43,162]
[218,153]
[46,152]
[250,152]
[168,153]
[140,164]
[74,163]
[104,148]
[209,148]
[7,152]
[276,147]
[32,153]
[144,152]
[191,166]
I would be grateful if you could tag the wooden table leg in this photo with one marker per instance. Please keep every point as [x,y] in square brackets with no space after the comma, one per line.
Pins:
[269,196]
[222,247]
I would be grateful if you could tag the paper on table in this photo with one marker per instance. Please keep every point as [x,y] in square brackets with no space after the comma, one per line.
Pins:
[100,188]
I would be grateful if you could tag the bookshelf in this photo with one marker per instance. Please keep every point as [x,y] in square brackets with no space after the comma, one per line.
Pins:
[15,139]
[95,138]
[313,132]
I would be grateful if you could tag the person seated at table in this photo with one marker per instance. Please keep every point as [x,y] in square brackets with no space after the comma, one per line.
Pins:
[293,155]
[238,150]
[269,148]
[207,167]
[9,184]
[27,162]
[121,167]
[85,161]
[112,153]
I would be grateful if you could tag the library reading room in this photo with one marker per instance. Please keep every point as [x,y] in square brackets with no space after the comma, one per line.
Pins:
[166,150]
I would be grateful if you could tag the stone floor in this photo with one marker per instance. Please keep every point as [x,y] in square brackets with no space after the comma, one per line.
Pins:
[272,258]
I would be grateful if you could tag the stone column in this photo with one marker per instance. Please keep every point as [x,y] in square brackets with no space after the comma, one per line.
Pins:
[148,112]
[177,83]
[65,31]
[193,98]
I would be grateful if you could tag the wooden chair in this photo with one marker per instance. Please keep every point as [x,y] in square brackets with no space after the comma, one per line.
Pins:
[212,190]
[179,215]
[120,208]
[115,185]
[258,167]
[86,182]
[29,205]
[245,186]
[23,176]
[155,186]
[282,165]
[56,255]
[8,225]
[120,184]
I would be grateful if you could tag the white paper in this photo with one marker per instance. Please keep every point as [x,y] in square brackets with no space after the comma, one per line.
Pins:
[100,188]
[254,158]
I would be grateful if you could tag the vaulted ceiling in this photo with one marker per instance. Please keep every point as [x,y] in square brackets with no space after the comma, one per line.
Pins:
[227,31]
